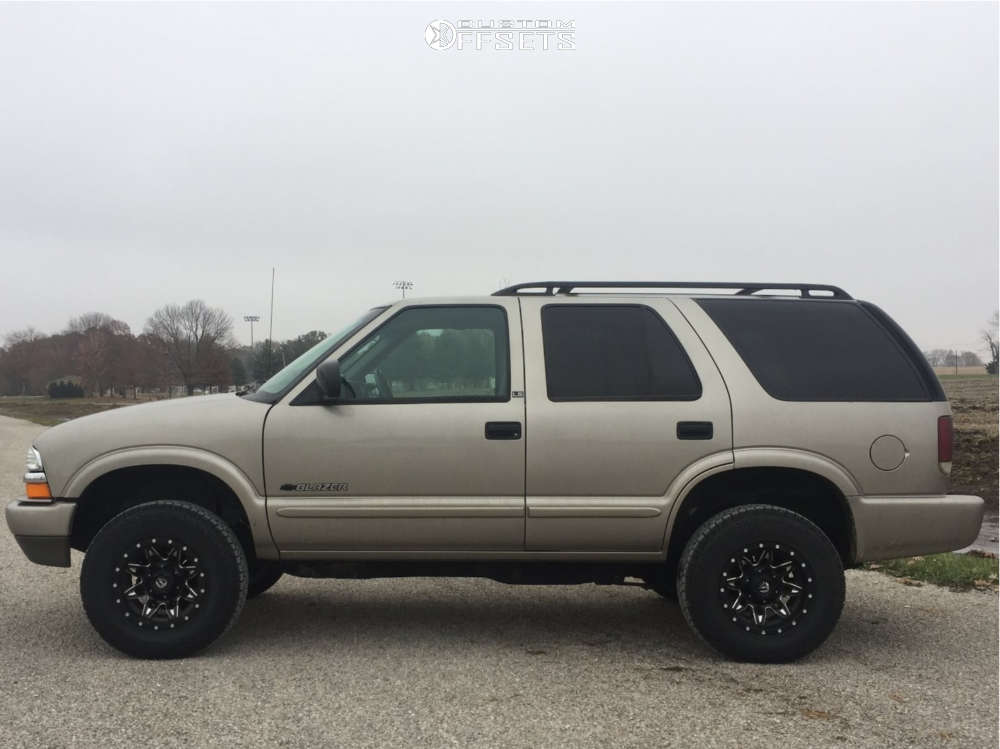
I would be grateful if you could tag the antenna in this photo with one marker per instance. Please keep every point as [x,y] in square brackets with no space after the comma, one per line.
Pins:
[402,286]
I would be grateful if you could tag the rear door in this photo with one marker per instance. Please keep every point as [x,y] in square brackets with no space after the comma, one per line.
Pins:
[621,397]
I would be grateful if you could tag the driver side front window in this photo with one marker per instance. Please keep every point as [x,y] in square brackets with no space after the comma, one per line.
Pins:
[432,354]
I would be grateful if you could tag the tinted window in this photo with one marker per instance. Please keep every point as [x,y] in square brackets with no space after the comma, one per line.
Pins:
[432,353]
[609,352]
[801,350]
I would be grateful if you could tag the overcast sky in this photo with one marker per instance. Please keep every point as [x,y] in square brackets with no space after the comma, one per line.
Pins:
[157,153]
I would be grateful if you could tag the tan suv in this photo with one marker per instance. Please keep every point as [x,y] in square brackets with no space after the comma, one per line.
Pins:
[731,445]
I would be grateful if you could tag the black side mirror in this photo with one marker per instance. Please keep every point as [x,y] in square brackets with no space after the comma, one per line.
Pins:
[328,379]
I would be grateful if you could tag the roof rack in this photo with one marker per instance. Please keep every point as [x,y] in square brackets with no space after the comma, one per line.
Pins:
[740,288]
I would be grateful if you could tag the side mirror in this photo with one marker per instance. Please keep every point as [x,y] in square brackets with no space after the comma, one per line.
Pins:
[328,379]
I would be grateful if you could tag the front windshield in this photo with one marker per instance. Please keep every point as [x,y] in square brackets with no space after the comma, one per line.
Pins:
[286,377]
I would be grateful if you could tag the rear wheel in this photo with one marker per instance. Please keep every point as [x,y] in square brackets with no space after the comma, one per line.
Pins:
[761,583]
[163,579]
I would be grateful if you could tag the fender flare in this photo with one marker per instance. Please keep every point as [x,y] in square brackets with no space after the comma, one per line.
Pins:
[804,460]
[254,505]
[761,457]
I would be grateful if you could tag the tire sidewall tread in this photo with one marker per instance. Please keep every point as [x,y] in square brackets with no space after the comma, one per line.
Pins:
[696,585]
[229,562]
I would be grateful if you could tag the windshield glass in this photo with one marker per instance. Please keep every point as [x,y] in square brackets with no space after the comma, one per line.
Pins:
[285,378]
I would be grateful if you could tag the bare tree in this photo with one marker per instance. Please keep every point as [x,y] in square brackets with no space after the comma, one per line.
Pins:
[27,335]
[937,357]
[192,336]
[969,359]
[101,343]
[21,360]
[97,321]
[991,338]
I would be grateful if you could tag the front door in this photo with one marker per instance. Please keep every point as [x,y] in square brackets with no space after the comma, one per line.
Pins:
[424,450]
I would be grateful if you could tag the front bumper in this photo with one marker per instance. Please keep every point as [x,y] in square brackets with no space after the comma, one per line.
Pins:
[42,530]
[891,527]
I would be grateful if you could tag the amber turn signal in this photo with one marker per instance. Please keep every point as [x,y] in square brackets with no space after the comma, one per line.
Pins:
[38,491]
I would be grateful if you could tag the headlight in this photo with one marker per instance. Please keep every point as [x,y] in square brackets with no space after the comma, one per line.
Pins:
[33,464]
[36,485]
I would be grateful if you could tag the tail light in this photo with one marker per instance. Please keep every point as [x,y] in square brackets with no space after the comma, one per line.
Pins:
[945,434]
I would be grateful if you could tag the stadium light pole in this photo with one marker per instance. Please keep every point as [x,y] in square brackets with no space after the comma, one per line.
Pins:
[402,286]
[270,325]
[251,319]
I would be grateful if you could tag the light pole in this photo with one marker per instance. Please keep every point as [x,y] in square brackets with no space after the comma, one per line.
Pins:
[251,319]
[270,327]
[402,286]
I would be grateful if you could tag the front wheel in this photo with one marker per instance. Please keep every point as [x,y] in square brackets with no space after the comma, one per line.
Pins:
[163,579]
[761,583]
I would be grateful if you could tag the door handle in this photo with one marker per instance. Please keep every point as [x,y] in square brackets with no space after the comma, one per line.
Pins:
[503,430]
[694,430]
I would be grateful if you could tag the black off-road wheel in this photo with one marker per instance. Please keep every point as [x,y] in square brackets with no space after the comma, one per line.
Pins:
[163,579]
[761,583]
[263,575]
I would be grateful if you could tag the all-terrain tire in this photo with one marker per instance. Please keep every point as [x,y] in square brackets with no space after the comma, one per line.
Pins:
[734,554]
[263,575]
[191,572]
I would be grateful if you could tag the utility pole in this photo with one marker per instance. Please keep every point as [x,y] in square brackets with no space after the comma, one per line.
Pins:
[251,319]
[270,327]
[402,286]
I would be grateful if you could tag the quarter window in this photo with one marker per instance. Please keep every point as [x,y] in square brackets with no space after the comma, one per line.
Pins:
[810,350]
[614,353]
[426,354]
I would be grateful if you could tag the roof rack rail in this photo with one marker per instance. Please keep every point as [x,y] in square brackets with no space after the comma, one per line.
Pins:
[741,288]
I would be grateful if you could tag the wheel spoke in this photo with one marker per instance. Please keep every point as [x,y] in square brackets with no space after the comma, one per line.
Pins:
[782,607]
[133,592]
[189,572]
[795,588]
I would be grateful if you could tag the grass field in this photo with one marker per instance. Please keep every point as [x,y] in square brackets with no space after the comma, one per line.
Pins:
[957,571]
[977,371]
[51,411]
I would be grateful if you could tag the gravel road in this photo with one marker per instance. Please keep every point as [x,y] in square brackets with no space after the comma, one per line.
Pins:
[473,663]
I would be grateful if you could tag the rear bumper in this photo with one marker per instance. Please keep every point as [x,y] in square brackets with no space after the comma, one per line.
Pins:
[42,530]
[891,527]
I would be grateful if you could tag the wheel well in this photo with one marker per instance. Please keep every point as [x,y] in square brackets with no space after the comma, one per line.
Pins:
[800,491]
[118,490]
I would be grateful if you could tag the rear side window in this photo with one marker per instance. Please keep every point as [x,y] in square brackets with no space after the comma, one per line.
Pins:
[801,350]
[614,353]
